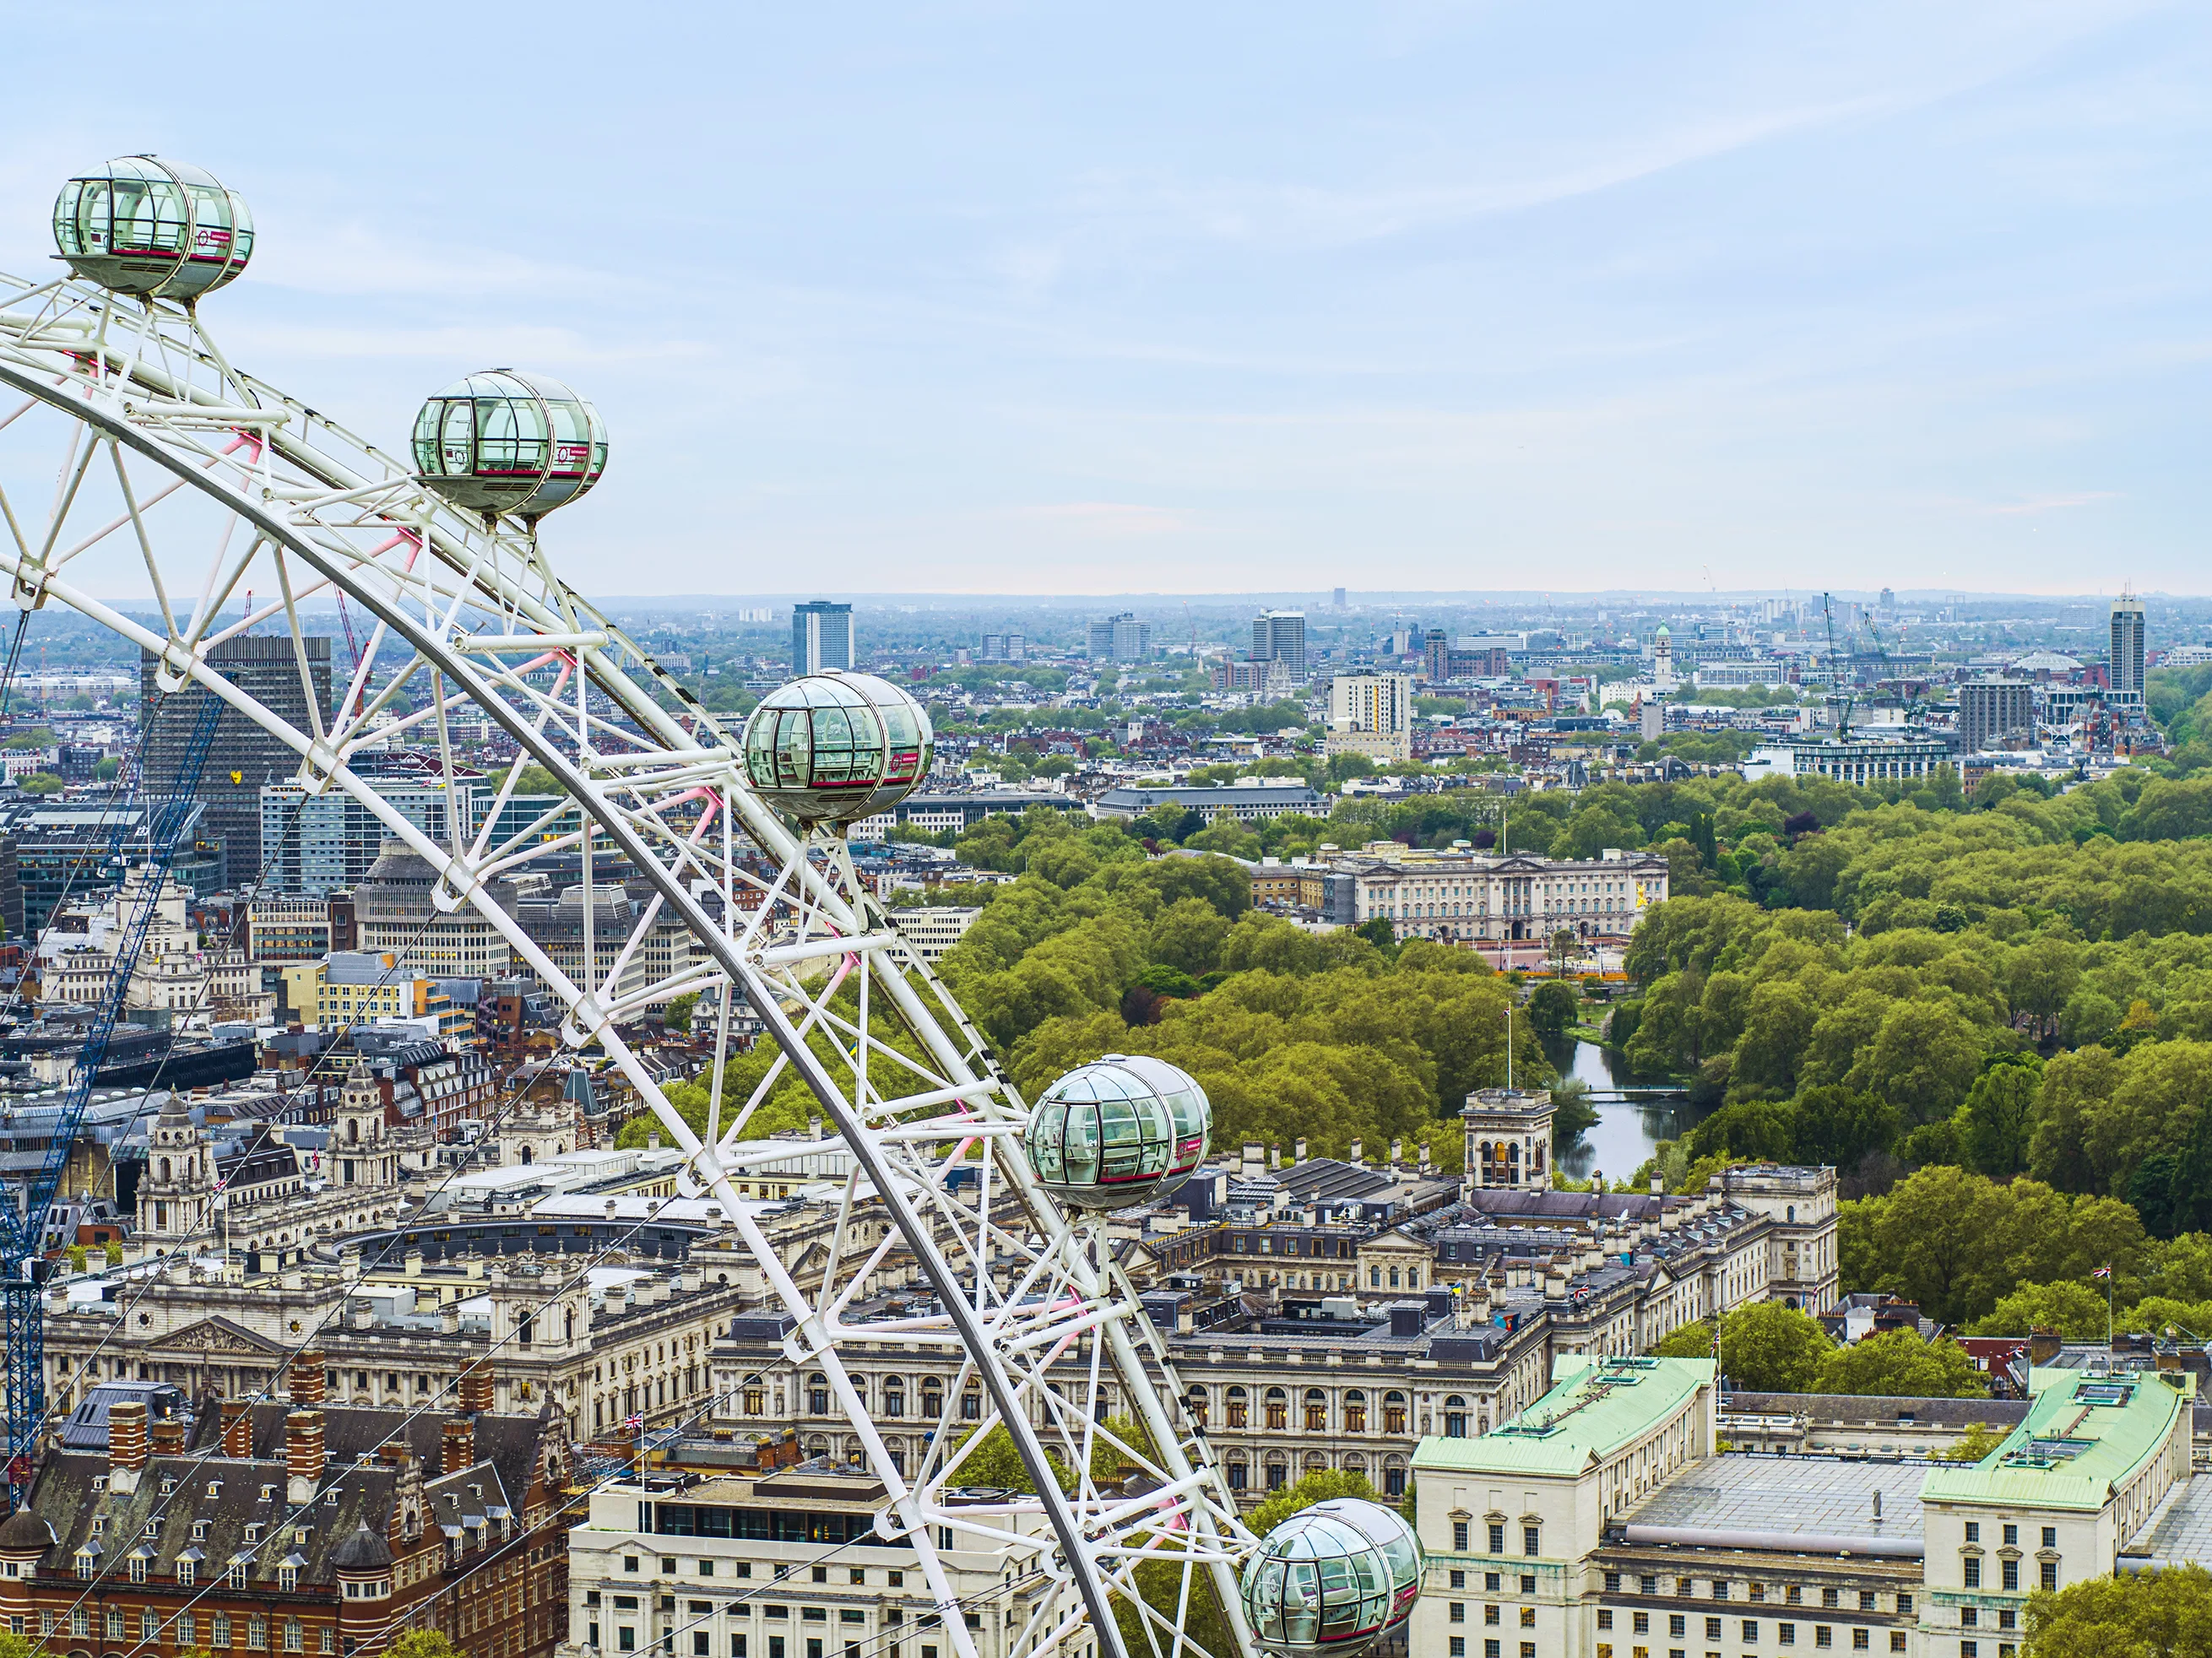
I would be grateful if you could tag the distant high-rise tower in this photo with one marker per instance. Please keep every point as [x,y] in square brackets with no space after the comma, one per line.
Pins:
[1281,636]
[242,756]
[1336,600]
[821,636]
[1996,713]
[1121,639]
[2127,660]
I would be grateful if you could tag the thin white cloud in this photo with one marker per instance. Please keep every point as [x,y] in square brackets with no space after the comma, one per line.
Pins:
[2040,504]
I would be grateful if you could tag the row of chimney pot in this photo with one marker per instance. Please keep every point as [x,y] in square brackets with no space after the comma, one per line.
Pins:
[131,1438]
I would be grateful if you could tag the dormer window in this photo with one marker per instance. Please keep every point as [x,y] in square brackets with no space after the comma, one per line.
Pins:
[153,1527]
[199,1531]
[184,1574]
[288,1578]
[253,1533]
[138,1568]
[238,1571]
[169,1484]
[85,1560]
[268,1493]
[215,1488]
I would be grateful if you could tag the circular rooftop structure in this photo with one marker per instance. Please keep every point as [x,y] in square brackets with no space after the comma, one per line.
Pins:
[833,748]
[160,229]
[509,444]
[1335,1577]
[1122,1131]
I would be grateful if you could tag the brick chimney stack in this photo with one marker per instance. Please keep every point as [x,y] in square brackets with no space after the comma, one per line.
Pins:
[306,1382]
[126,1436]
[477,1388]
[303,1445]
[237,1428]
[167,1436]
[460,1446]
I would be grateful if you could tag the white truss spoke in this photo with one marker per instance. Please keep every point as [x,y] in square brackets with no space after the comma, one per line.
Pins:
[1040,1321]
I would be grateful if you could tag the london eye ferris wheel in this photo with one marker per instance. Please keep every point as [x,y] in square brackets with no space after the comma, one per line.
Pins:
[175,472]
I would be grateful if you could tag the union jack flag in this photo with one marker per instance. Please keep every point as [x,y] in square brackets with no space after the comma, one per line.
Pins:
[633,1423]
[2102,1272]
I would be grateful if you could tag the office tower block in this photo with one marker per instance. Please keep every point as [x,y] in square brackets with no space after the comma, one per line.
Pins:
[1121,639]
[242,756]
[1371,714]
[821,636]
[1281,636]
[1996,713]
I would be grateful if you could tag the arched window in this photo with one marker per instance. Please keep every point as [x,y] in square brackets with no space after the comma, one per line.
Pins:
[1279,1472]
[1394,1277]
[1195,1403]
[1394,1413]
[933,1398]
[1316,1411]
[165,1171]
[1393,1476]
[1454,1416]
[526,1157]
[1240,1474]
[1355,1412]
[1240,1408]
[1278,1408]
[817,1395]
[894,1396]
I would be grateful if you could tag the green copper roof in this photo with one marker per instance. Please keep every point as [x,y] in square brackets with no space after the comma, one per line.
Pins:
[1596,1405]
[2085,1433]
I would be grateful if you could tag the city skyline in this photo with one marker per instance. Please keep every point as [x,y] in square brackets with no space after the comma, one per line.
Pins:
[1018,299]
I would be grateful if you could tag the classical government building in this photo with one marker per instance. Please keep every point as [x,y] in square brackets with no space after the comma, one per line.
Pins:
[1333,1315]
[1605,1519]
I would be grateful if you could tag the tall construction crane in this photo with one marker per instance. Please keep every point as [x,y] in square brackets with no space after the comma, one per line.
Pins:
[22,1230]
[1843,717]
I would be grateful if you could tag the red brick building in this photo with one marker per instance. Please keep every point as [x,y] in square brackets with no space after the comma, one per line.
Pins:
[265,1530]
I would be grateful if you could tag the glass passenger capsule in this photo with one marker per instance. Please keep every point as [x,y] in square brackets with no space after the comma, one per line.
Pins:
[836,747]
[142,225]
[1121,1131]
[502,442]
[1335,1577]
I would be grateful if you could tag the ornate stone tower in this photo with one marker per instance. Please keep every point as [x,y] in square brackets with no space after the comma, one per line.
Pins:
[176,1196]
[1509,1140]
[361,1152]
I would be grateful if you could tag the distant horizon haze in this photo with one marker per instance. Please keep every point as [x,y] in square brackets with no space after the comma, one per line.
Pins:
[1143,299]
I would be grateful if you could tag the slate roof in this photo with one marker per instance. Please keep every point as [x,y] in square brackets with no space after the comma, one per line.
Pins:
[230,1494]
[1331,1180]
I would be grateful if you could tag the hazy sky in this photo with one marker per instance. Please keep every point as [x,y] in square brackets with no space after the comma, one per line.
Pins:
[999,298]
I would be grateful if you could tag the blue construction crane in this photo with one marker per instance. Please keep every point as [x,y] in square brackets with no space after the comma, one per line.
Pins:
[23,1265]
